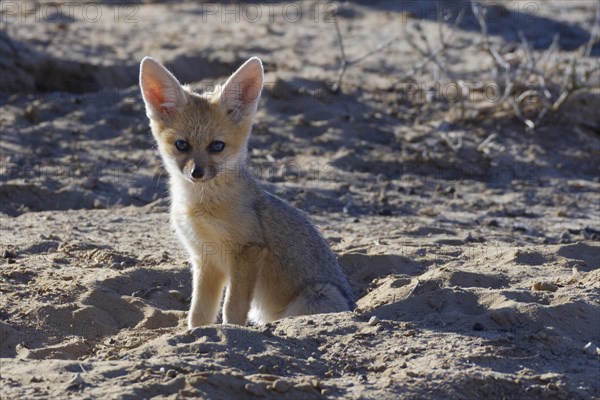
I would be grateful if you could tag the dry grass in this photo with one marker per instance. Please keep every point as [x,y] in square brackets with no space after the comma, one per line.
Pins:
[528,85]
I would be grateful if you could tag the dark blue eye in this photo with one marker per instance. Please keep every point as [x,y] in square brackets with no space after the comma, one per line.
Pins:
[216,146]
[182,145]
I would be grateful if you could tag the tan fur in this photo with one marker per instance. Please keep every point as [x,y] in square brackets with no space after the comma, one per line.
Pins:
[263,251]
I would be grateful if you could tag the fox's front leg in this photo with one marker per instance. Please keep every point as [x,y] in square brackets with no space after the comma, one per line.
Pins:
[208,283]
[239,294]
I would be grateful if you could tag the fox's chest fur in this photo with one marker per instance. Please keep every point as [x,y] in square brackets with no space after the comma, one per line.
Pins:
[216,223]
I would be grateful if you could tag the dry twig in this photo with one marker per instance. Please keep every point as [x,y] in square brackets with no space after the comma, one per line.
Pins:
[510,78]
[533,87]
[428,53]
[345,63]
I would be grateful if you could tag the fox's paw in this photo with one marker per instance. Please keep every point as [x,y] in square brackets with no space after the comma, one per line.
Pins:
[196,319]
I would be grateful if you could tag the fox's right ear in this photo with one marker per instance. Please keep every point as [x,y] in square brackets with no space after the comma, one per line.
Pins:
[161,91]
[240,94]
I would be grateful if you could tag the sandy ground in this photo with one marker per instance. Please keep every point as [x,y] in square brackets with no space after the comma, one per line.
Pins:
[472,246]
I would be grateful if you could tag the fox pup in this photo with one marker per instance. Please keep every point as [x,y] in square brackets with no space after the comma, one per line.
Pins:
[267,253]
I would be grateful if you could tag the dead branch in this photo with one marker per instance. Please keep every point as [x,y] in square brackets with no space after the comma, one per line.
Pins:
[345,63]
[533,86]
[594,35]
[428,53]
[523,74]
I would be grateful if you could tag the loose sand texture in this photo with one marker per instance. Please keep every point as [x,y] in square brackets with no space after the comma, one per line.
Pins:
[471,243]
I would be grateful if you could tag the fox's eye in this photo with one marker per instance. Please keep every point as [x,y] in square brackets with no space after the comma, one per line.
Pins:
[182,145]
[216,146]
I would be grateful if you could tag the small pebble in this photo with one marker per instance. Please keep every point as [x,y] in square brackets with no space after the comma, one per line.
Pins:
[590,348]
[281,385]
[373,321]
[545,286]
[177,295]
[256,389]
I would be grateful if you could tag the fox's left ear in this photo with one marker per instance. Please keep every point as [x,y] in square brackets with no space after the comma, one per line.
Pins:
[241,92]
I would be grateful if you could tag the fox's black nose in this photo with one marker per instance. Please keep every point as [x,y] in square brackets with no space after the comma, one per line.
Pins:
[197,173]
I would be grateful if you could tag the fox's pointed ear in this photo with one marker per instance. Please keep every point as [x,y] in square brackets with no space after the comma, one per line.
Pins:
[161,91]
[241,92]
